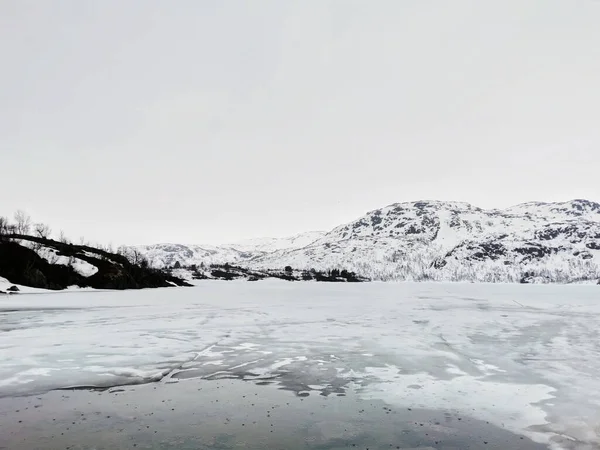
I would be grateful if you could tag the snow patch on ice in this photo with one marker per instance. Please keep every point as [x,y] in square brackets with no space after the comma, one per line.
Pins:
[5,284]
[515,407]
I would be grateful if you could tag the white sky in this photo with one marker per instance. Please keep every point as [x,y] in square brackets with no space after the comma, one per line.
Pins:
[211,121]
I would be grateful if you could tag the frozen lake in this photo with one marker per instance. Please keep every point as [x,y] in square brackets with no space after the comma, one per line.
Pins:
[522,359]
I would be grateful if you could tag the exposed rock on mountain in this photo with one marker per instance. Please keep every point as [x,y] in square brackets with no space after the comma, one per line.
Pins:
[434,240]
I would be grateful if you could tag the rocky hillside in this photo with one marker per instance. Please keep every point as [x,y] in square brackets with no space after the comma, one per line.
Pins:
[433,240]
[44,263]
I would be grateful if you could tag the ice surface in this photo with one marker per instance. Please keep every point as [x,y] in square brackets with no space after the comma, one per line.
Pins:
[522,357]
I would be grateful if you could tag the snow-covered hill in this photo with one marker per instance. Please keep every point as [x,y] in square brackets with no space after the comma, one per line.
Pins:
[38,262]
[168,255]
[431,240]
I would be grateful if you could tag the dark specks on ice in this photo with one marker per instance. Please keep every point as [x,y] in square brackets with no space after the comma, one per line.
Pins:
[229,413]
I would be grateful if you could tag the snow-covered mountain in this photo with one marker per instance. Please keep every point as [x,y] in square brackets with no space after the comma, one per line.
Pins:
[168,255]
[430,240]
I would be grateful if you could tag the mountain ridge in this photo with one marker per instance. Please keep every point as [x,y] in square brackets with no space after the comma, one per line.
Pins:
[432,240]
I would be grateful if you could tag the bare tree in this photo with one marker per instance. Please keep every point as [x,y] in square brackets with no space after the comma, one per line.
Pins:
[22,222]
[123,251]
[134,256]
[42,230]
[3,227]
[63,238]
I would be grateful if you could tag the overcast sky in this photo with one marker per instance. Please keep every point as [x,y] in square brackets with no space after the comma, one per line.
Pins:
[211,121]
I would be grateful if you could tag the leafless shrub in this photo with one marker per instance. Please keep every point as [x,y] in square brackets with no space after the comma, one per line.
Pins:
[63,238]
[4,227]
[22,222]
[42,230]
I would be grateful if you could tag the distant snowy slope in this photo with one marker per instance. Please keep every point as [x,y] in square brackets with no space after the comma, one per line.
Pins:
[267,245]
[432,240]
[167,255]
